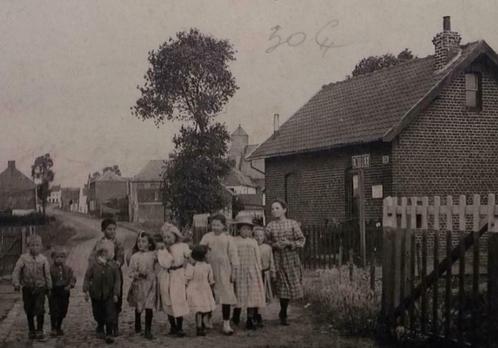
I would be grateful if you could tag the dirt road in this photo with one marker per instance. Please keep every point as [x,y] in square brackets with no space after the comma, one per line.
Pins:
[79,325]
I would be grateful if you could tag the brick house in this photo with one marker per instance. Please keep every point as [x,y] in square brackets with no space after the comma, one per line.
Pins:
[428,126]
[17,191]
[145,196]
[108,193]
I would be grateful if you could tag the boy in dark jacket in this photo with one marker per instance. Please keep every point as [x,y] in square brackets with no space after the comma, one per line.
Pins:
[103,284]
[62,281]
[116,252]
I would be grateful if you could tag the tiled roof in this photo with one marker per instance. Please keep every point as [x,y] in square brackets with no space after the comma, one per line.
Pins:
[239,131]
[110,176]
[12,180]
[236,178]
[364,108]
[152,171]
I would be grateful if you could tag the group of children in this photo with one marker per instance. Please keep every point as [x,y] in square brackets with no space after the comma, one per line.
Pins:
[232,271]
[166,275]
[39,279]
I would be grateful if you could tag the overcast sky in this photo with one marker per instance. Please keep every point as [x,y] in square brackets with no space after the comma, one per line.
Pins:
[69,69]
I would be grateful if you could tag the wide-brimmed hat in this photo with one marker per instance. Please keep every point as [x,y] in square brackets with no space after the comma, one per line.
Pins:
[170,228]
[243,220]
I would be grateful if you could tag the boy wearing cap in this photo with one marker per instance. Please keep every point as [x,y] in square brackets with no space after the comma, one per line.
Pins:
[63,280]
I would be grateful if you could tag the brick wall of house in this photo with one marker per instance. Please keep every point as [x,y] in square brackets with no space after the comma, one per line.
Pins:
[449,150]
[316,183]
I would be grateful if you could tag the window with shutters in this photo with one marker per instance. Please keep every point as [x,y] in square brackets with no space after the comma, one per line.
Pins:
[473,93]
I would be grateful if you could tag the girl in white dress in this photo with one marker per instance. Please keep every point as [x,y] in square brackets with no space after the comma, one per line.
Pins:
[142,293]
[199,288]
[224,259]
[180,252]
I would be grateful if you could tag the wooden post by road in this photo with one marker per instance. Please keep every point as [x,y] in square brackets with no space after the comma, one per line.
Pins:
[361,192]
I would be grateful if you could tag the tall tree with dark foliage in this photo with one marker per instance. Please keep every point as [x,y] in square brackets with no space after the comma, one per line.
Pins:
[43,175]
[189,80]
[374,63]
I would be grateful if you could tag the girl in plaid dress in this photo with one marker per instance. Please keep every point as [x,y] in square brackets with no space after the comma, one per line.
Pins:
[250,289]
[285,236]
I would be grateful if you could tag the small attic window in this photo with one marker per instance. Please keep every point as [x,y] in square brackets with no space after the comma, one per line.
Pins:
[473,92]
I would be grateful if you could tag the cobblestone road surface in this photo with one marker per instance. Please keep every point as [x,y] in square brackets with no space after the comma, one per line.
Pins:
[79,326]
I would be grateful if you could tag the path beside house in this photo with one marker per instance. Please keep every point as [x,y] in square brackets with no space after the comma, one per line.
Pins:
[80,327]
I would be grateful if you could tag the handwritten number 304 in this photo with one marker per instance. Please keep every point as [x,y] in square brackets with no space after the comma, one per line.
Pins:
[297,38]
[292,40]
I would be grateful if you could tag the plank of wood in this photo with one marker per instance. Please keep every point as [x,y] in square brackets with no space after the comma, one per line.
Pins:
[423,309]
[475,262]
[435,287]
[402,274]
[461,283]
[412,278]
[447,295]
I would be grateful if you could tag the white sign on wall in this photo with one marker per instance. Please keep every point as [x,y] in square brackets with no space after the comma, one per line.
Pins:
[361,161]
[377,191]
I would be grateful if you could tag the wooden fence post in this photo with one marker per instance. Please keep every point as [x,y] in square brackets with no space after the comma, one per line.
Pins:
[389,214]
[492,270]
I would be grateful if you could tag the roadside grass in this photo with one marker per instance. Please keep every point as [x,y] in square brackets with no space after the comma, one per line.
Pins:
[348,305]
[57,233]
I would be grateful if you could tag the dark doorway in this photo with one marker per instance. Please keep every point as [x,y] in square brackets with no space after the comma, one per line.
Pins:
[352,181]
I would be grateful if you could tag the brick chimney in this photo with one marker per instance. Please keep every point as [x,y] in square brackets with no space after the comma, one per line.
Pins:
[446,44]
[11,165]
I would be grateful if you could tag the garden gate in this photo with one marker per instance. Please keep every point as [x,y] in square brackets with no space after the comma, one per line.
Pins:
[440,268]
[12,244]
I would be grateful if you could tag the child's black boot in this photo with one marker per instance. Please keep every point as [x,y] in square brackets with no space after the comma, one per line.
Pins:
[250,319]
[236,316]
[258,319]
[148,324]
[179,326]
[172,326]
[138,322]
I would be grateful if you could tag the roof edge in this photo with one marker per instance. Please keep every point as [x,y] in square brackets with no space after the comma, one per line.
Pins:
[323,148]
[481,48]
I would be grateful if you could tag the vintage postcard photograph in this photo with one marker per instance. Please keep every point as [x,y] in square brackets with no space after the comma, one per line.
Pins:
[235,173]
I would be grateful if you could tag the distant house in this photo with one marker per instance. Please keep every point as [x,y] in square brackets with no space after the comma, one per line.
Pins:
[239,151]
[145,197]
[107,194]
[55,195]
[424,127]
[246,179]
[83,204]
[70,198]
[239,183]
[17,191]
